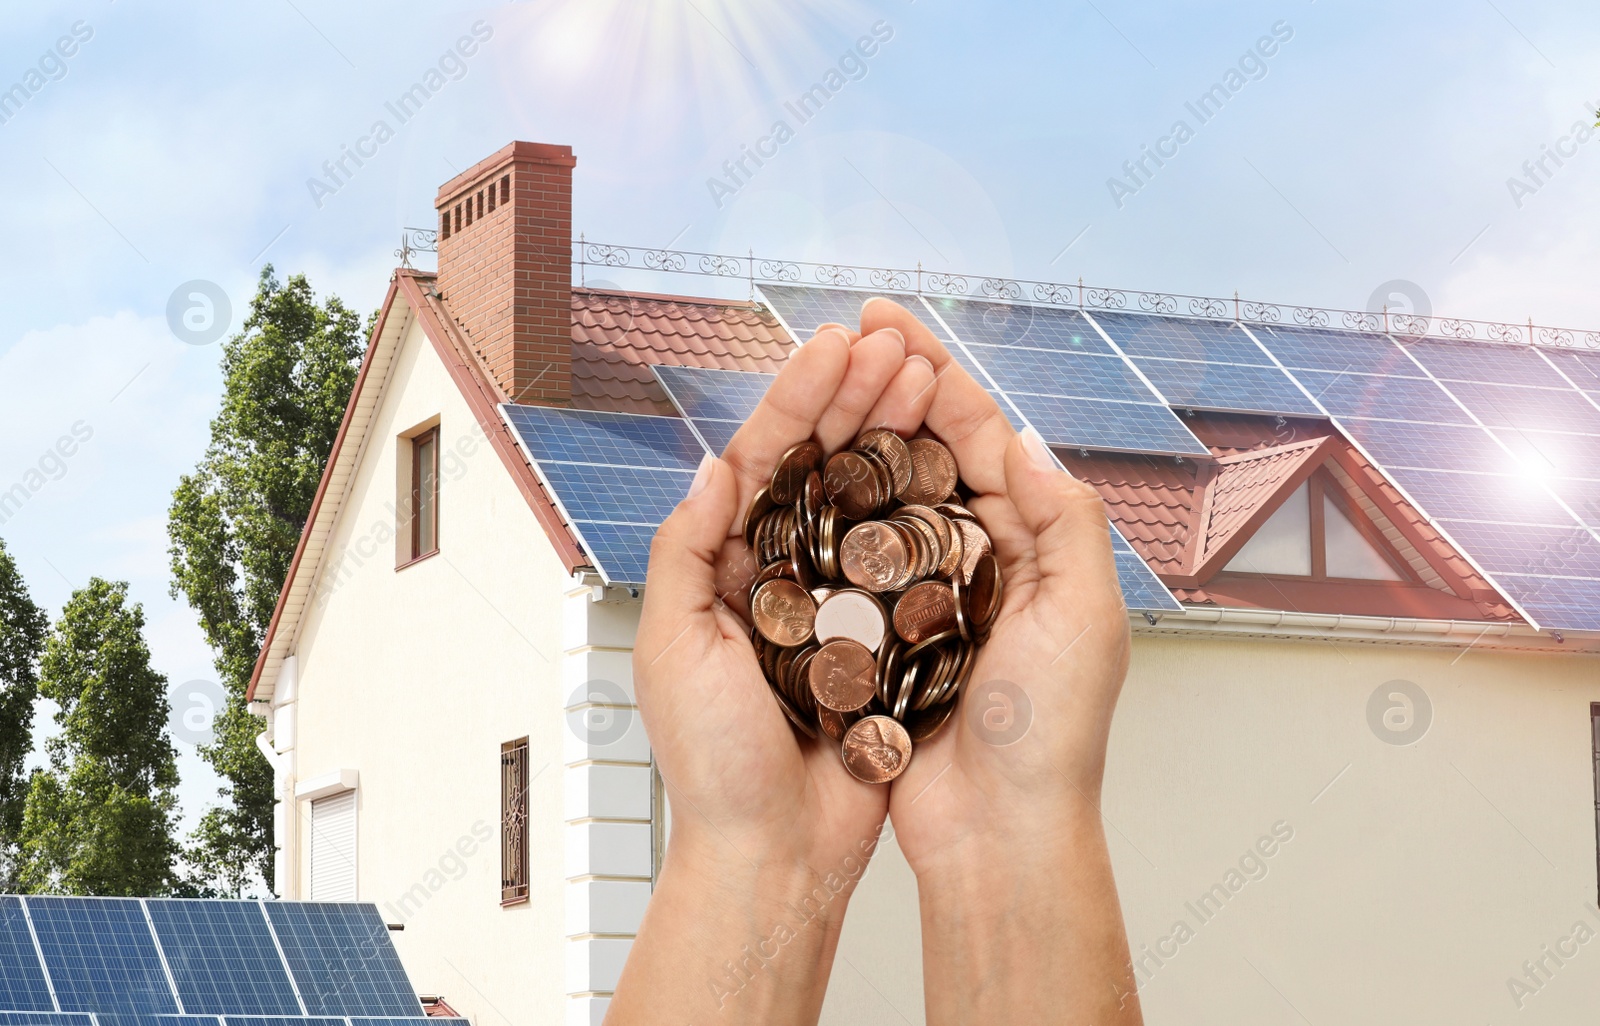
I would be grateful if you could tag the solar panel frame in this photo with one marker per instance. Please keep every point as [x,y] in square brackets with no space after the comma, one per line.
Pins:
[1524,549]
[223,957]
[114,967]
[24,987]
[1566,603]
[376,985]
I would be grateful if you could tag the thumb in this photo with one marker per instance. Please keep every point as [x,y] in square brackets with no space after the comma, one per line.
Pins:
[1072,539]
[681,580]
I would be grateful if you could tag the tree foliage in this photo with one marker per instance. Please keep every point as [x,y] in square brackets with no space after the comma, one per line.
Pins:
[100,819]
[233,526]
[22,632]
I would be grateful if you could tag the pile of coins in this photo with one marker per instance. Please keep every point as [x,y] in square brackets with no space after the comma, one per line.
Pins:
[875,591]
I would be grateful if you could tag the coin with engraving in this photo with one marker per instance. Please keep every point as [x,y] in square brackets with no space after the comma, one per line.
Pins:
[783,612]
[760,505]
[790,477]
[975,545]
[924,610]
[983,592]
[890,448]
[843,675]
[876,749]
[874,555]
[933,473]
[851,483]
[854,614]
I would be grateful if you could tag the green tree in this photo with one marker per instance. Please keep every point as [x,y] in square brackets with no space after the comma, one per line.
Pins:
[99,820]
[233,526]
[23,626]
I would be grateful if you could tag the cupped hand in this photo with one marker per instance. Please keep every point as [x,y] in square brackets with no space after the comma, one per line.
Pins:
[1021,762]
[742,783]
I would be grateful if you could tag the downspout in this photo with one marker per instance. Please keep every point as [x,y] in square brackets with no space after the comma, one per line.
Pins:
[277,746]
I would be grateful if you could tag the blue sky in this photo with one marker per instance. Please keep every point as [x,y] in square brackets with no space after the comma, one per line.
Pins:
[1374,143]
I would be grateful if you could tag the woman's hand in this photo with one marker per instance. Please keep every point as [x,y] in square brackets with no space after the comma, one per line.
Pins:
[765,824]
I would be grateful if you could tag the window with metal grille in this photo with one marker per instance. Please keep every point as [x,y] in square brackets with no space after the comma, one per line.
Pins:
[514,822]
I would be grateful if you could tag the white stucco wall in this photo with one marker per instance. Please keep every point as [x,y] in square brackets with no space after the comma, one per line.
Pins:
[415,678]
[1412,888]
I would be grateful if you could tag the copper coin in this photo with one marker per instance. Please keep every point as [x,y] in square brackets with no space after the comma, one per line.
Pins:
[891,448]
[783,612]
[834,723]
[983,593]
[789,479]
[876,750]
[955,511]
[874,555]
[925,725]
[843,676]
[975,543]
[924,610]
[854,614]
[760,505]
[933,473]
[852,484]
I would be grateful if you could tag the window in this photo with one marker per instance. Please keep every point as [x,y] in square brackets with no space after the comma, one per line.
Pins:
[1594,730]
[425,493]
[333,847]
[1316,534]
[514,822]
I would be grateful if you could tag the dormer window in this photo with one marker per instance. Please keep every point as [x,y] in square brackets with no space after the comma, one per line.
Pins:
[1313,534]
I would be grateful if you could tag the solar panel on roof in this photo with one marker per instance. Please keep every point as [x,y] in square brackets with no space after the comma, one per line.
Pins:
[1227,387]
[125,1019]
[222,957]
[261,1020]
[1545,454]
[45,1019]
[1327,349]
[1485,361]
[1141,588]
[1561,603]
[613,475]
[1395,444]
[1069,375]
[1581,368]
[101,955]
[1111,426]
[718,434]
[1015,324]
[1347,394]
[1519,406]
[802,308]
[22,983]
[1179,338]
[342,959]
[716,403]
[1492,497]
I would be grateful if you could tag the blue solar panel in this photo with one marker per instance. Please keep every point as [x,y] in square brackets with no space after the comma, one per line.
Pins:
[624,495]
[1522,549]
[1227,387]
[101,955]
[1329,350]
[701,393]
[959,356]
[1519,406]
[1429,446]
[1141,589]
[1556,602]
[357,1020]
[45,1019]
[1008,324]
[1582,368]
[259,1020]
[1545,454]
[1485,361]
[22,983]
[1178,338]
[1348,394]
[124,1019]
[222,957]
[588,436]
[718,433]
[802,309]
[342,959]
[1496,498]
[1071,375]
[623,550]
[1126,427]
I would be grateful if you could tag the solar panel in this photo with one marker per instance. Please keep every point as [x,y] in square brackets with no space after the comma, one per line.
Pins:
[716,403]
[101,955]
[1348,394]
[1179,338]
[45,1019]
[1227,387]
[1581,368]
[1545,454]
[802,308]
[1521,549]
[124,1019]
[1014,324]
[1485,361]
[1113,426]
[1070,375]
[261,1020]
[357,1020]
[1492,497]
[1303,348]
[22,983]
[1520,406]
[1141,588]
[615,477]
[222,957]
[342,959]
[1395,444]
[1557,602]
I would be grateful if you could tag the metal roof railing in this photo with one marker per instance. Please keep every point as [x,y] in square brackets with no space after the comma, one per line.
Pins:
[754,270]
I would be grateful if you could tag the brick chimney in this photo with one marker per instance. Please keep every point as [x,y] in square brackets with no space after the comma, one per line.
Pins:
[505,267]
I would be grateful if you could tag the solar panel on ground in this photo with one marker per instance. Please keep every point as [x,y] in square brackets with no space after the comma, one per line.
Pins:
[802,308]
[342,959]
[1205,365]
[101,955]
[222,957]
[615,477]
[715,402]
[22,983]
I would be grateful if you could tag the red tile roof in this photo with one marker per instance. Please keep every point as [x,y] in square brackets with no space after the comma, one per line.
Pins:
[617,335]
[1244,483]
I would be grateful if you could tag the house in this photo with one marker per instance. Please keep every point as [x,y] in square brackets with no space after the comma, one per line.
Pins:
[1353,765]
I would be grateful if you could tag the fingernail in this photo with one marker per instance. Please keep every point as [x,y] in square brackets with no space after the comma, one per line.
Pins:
[1037,451]
[897,336]
[918,357]
[702,477]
